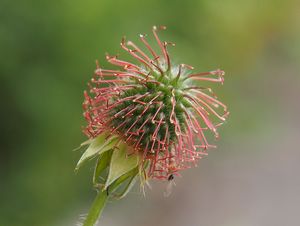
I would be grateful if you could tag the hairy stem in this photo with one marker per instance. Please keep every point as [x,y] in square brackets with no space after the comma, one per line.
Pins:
[96,209]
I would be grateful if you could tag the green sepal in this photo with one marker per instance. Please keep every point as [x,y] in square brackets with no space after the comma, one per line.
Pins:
[97,146]
[118,182]
[102,163]
[120,163]
[83,144]
[127,188]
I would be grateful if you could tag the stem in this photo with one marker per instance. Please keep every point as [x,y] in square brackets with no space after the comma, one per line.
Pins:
[96,209]
[102,196]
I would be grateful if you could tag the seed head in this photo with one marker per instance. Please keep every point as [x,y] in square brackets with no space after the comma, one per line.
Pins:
[155,106]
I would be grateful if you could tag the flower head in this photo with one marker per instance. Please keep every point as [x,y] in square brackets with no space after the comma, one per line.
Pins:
[154,106]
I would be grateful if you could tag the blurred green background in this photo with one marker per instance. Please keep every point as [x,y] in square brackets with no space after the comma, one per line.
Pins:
[48,50]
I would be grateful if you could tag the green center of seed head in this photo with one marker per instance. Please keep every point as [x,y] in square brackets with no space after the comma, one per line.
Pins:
[168,83]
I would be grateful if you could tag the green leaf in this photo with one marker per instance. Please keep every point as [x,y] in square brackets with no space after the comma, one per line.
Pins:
[120,163]
[102,163]
[98,145]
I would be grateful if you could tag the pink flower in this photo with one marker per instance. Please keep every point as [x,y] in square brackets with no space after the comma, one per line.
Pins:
[155,106]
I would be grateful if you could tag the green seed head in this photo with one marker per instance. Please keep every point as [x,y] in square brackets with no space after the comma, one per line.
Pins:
[155,107]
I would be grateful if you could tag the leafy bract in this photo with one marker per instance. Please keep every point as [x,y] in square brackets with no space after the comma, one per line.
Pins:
[97,146]
[120,163]
[103,162]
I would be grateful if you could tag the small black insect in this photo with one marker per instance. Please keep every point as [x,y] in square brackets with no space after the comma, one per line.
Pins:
[170,185]
[171,177]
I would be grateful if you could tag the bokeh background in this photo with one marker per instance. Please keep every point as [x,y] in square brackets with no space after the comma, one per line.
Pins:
[47,55]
